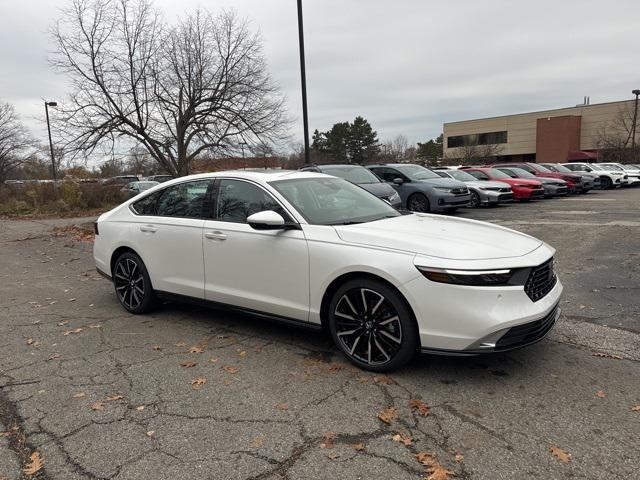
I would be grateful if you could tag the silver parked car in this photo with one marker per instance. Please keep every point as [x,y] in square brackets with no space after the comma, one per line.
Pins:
[589,177]
[482,192]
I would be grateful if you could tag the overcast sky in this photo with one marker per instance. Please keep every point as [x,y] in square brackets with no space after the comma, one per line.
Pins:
[405,65]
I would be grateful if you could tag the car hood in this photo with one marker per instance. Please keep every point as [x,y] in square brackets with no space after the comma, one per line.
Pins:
[487,183]
[439,236]
[379,189]
[441,182]
[549,180]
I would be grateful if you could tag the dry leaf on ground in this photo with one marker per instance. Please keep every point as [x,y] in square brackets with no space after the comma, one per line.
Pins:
[113,398]
[388,415]
[404,439]
[198,382]
[140,408]
[608,355]
[180,344]
[434,469]
[80,395]
[358,446]
[332,455]
[282,406]
[384,380]
[35,465]
[30,341]
[196,349]
[230,369]
[459,457]
[157,348]
[327,440]
[635,408]
[188,364]
[419,407]
[69,332]
[258,441]
[601,394]
[564,457]
[151,433]
[335,367]
[97,406]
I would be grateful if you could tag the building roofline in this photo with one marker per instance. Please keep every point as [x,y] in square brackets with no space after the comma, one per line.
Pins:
[537,111]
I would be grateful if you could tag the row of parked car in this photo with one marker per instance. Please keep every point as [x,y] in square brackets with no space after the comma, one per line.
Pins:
[421,189]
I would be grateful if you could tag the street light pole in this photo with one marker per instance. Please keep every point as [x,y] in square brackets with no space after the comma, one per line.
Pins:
[242,144]
[635,119]
[53,160]
[303,77]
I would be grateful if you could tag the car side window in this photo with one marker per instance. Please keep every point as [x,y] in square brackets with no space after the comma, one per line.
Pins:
[387,174]
[236,200]
[147,205]
[478,175]
[527,168]
[184,200]
[508,172]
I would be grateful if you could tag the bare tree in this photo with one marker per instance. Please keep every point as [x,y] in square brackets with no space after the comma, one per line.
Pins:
[614,138]
[469,154]
[199,86]
[14,141]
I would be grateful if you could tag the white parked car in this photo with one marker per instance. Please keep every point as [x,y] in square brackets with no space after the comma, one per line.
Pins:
[316,250]
[609,177]
[630,170]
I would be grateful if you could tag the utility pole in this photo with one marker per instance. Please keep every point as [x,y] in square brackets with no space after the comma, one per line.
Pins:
[635,121]
[303,76]
[53,160]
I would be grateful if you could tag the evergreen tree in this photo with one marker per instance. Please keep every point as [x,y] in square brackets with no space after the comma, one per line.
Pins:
[346,142]
[431,151]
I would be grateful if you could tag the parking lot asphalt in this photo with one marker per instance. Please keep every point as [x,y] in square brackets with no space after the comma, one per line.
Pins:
[88,391]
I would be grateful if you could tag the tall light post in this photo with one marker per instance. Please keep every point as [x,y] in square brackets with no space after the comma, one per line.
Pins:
[635,119]
[303,77]
[242,144]
[53,159]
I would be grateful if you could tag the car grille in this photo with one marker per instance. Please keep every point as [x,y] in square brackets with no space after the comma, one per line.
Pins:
[528,333]
[460,191]
[503,197]
[541,281]
[505,189]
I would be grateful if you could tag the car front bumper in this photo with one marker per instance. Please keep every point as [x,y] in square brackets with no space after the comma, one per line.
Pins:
[491,197]
[449,201]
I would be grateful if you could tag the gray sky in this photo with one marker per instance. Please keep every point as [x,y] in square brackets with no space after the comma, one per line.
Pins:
[405,65]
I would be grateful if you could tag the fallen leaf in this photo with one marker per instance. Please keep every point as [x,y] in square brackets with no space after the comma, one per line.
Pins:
[282,406]
[63,323]
[608,355]
[113,398]
[80,395]
[419,407]
[388,415]
[198,382]
[332,455]
[459,457]
[69,332]
[358,446]
[242,353]
[384,380]
[434,469]
[560,454]
[327,440]
[30,341]
[196,349]
[157,348]
[188,364]
[180,344]
[635,408]
[95,326]
[98,406]
[258,441]
[140,408]
[35,465]
[335,367]
[230,369]
[425,458]
[600,394]
[151,433]
[55,356]
[405,440]
[226,382]
[213,359]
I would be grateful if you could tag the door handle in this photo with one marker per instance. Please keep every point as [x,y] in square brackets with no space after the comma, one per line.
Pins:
[215,235]
[148,229]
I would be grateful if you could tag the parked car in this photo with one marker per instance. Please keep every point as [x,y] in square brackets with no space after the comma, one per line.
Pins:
[559,168]
[553,187]
[608,178]
[159,178]
[482,192]
[422,190]
[633,174]
[121,180]
[523,189]
[316,250]
[360,176]
[134,188]
[575,182]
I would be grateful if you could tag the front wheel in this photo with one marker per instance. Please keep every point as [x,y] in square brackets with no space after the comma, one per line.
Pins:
[132,284]
[372,325]
[418,203]
[605,183]
[475,200]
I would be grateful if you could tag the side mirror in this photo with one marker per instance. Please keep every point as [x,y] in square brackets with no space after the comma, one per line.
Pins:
[398,181]
[266,220]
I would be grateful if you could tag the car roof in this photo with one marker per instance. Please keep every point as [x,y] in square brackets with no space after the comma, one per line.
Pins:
[262,176]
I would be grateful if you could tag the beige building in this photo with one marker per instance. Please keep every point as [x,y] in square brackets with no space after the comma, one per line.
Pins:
[573,133]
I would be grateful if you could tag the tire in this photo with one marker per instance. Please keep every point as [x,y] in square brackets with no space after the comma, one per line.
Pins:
[418,202]
[475,200]
[372,325]
[132,284]
[606,183]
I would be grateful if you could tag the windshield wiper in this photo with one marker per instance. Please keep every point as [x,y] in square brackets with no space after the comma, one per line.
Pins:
[350,222]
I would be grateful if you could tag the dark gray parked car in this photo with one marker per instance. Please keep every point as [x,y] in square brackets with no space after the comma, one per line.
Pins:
[553,187]
[360,176]
[422,190]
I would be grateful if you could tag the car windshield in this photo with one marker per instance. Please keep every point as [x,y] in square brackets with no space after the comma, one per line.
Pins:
[559,168]
[333,201]
[595,167]
[416,172]
[611,166]
[521,173]
[542,168]
[462,176]
[494,172]
[355,174]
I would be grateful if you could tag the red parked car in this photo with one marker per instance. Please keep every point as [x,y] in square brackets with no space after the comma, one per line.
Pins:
[523,189]
[575,182]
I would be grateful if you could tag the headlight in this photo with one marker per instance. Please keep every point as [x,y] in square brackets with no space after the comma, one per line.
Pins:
[394,197]
[493,189]
[476,278]
[443,189]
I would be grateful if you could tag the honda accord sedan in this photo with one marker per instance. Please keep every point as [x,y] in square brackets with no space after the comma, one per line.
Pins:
[310,249]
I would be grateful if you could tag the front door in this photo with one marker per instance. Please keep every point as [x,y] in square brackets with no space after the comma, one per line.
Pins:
[261,270]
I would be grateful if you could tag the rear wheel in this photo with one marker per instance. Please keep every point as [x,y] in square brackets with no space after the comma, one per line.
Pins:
[372,325]
[132,283]
[418,203]
[475,200]
[605,183]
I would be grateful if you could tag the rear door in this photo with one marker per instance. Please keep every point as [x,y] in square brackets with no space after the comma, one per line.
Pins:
[168,234]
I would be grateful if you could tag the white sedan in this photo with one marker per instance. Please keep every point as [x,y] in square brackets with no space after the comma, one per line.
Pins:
[317,250]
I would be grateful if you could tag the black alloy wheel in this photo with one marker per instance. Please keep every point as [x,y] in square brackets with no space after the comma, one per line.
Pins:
[605,183]
[372,325]
[475,200]
[418,203]
[132,284]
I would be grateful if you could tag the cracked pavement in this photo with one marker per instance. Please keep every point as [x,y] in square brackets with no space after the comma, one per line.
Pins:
[102,394]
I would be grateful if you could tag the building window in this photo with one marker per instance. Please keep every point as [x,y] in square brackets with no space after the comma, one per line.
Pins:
[489,138]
